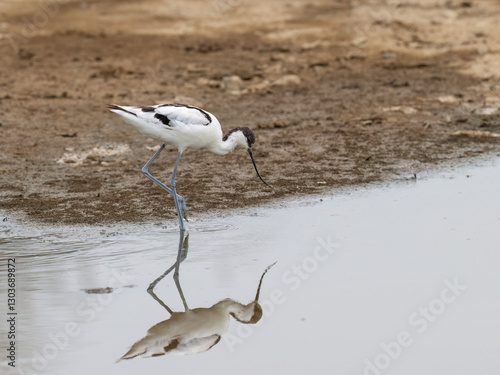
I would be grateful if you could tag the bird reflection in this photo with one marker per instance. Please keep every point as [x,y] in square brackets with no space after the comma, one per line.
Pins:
[194,330]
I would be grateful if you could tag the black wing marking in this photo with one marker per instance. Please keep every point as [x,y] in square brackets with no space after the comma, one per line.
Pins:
[204,113]
[164,119]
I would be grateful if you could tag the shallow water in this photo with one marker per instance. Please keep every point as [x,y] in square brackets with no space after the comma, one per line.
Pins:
[395,279]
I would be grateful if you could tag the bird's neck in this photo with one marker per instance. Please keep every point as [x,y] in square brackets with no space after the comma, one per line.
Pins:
[240,312]
[229,305]
[224,147]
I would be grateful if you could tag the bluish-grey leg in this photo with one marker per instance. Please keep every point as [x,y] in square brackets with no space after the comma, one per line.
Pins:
[181,211]
[181,255]
[180,203]
[148,175]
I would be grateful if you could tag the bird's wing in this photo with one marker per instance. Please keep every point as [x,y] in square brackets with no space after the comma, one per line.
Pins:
[154,347]
[197,345]
[181,113]
[165,115]
[150,347]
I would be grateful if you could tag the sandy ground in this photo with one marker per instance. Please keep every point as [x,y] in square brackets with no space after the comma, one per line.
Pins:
[338,92]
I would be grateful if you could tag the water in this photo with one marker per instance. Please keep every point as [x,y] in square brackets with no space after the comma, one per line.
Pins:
[394,279]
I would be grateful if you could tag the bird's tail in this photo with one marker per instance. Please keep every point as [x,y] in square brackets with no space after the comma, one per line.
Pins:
[117,109]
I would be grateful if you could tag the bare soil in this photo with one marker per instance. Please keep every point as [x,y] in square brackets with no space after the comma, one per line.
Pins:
[338,93]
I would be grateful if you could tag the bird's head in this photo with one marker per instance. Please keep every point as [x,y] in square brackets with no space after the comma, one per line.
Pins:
[244,137]
[251,313]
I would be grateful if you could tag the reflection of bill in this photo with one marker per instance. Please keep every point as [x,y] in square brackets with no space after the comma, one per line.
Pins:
[197,330]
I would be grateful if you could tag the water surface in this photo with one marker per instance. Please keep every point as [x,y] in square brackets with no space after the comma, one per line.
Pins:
[394,279]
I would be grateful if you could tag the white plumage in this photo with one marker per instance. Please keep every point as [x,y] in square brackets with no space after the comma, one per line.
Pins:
[184,126]
[195,330]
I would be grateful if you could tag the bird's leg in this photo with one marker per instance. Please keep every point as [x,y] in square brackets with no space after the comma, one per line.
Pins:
[148,175]
[155,297]
[179,201]
[180,204]
[181,255]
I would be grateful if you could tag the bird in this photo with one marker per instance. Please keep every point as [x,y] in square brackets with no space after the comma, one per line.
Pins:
[184,126]
[195,330]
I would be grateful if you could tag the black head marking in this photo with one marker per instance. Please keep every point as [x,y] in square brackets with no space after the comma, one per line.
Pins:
[256,316]
[148,109]
[249,135]
[164,119]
